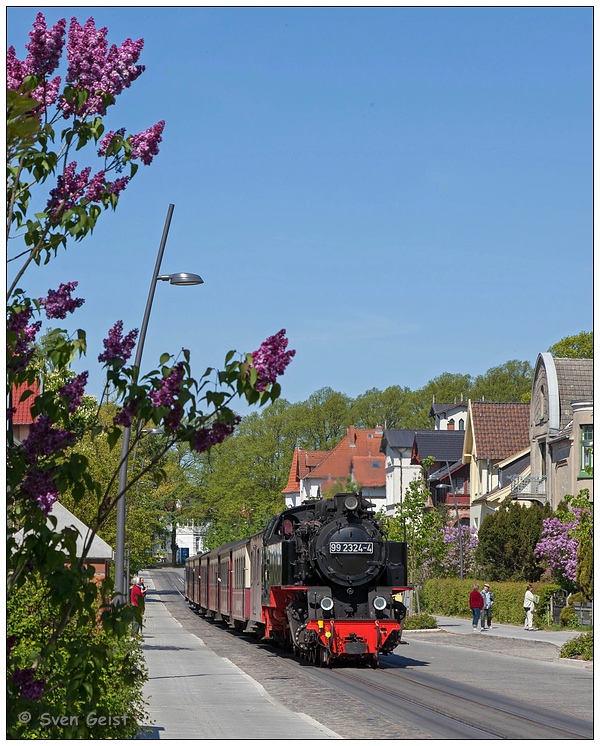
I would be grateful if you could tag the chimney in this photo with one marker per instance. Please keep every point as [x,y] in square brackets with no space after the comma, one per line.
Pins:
[350,432]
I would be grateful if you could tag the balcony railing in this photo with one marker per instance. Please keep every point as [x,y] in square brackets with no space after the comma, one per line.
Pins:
[528,488]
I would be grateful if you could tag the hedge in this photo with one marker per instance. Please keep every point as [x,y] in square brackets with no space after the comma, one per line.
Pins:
[450,597]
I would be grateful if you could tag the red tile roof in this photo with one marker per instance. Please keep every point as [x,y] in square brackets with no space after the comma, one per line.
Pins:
[369,471]
[500,429]
[302,463]
[338,463]
[23,414]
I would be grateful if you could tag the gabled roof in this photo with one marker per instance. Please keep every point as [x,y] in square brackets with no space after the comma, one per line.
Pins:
[441,408]
[337,464]
[23,414]
[302,463]
[99,549]
[443,445]
[369,471]
[496,430]
[575,378]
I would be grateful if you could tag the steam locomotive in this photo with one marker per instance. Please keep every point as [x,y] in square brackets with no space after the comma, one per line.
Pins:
[321,580]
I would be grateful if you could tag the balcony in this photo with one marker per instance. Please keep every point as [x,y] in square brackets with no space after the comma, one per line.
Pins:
[528,488]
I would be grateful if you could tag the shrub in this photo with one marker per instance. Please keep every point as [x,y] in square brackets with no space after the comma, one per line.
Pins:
[580,646]
[450,597]
[420,621]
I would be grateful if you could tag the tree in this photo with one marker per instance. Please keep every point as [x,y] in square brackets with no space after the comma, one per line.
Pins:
[390,408]
[507,541]
[579,345]
[321,421]
[422,529]
[65,670]
[566,544]
[510,382]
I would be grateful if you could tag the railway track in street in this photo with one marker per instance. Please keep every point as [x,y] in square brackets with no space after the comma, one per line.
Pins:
[443,706]
[397,698]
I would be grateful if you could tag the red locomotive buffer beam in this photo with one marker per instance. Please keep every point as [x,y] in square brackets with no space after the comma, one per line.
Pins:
[348,638]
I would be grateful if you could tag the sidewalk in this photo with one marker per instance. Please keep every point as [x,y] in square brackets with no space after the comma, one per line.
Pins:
[195,694]
[465,627]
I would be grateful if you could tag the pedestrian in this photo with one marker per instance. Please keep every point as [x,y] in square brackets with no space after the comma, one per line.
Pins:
[529,607]
[143,586]
[476,605]
[136,598]
[486,612]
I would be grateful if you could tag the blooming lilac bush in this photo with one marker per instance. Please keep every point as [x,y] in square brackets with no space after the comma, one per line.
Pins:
[196,412]
[559,545]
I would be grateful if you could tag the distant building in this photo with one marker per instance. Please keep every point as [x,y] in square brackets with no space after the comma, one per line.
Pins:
[494,432]
[561,430]
[404,451]
[356,457]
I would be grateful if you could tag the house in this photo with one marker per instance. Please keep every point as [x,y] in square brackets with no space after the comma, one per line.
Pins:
[494,431]
[561,430]
[449,487]
[357,456]
[404,451]
[303,462]
[449,416]
[22,417]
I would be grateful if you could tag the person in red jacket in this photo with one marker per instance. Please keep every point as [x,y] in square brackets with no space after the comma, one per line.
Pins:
[136,598]
[476,605]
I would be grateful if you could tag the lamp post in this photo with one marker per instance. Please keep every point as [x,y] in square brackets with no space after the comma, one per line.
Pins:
[181,278]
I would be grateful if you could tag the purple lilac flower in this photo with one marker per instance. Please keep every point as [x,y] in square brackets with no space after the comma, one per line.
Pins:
[59,303]
[106,141]
[126,415]
[18,323]
[29,687]
[117,347]
[45,47]
[74,390]
[212,436]
[558,548]
[43,439]
[95,188]
[16,71]
[40,487]
[145,145]
[94,68]
[173,418]
[117,186]
[271,359]
[11,641]
[169,388]
[69,188]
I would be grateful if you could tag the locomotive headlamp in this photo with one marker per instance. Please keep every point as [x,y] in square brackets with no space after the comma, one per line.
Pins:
[351,502]
[327,603]
[379,603]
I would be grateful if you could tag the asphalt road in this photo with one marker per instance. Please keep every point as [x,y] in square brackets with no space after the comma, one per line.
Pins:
[523,676]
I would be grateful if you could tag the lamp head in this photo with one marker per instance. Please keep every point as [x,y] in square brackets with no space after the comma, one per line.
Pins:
[182,278]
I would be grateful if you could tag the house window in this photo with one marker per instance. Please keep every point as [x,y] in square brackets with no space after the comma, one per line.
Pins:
[461,424]
[450,424]
[459,484]
[587,451]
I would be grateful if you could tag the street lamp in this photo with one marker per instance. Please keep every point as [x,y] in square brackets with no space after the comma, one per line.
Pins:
[180,278]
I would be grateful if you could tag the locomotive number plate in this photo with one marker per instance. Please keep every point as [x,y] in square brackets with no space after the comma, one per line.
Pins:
[350,547]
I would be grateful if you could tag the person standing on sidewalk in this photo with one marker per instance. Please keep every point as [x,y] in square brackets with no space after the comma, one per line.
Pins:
[486,612]
[529,607]
[476,605]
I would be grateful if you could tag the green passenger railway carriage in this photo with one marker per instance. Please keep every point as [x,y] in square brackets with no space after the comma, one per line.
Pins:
[321,580]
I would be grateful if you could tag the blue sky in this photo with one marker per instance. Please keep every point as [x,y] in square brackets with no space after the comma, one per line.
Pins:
[407,191]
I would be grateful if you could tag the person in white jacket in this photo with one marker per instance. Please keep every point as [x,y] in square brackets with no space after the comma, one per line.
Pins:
[529,606]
